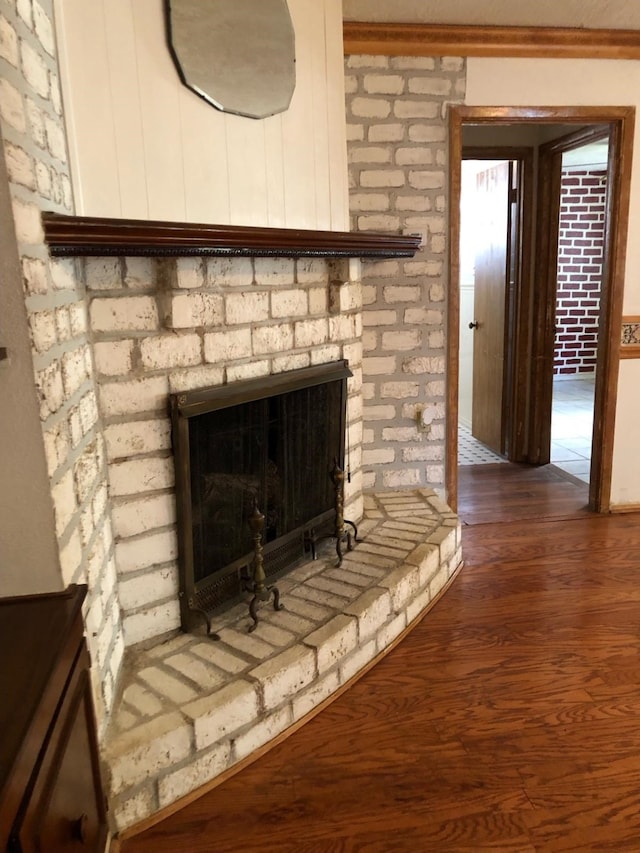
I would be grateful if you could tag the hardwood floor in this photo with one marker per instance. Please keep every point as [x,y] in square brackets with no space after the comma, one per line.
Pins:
[508,720]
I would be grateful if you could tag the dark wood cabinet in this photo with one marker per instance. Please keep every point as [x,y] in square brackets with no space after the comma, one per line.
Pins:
[51,798]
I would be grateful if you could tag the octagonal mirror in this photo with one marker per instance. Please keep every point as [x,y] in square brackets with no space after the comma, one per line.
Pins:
[239,55]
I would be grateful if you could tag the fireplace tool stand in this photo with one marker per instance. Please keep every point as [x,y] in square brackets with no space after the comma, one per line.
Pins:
[261,592]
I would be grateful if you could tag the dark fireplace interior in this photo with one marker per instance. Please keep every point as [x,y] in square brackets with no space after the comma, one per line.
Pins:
[270,444]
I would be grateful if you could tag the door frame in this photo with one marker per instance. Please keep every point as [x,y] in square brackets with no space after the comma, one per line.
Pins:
[621,125]
[514,400]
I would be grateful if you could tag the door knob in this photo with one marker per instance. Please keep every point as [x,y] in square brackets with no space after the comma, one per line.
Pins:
[474,325]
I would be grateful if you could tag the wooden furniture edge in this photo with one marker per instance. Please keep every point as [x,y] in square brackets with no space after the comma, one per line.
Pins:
[82,236]
[420,39]
[629,351]
[171,809]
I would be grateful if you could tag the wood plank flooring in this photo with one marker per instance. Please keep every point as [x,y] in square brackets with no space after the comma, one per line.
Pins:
[508,721]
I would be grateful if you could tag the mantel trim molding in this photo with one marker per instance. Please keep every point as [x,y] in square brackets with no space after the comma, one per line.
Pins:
[69,236]
[392,39]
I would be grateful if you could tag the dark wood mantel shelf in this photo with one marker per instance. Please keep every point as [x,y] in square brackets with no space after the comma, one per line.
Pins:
[69,236]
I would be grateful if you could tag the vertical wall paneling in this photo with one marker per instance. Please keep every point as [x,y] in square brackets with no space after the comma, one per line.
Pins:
[319,94]
[88,108]
[124,93]
[144,146]
[206,167]
[160,108]
[247,170]
[274,153]
[339,198]
[298,122]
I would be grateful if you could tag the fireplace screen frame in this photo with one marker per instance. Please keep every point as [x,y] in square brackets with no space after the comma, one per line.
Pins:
[199,599]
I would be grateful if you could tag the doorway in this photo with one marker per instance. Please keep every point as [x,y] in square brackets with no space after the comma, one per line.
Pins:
[528,302]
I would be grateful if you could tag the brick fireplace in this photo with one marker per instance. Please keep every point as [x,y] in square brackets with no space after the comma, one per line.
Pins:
[173,309]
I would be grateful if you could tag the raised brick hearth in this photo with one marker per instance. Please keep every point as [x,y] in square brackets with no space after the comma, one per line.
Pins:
[192,707]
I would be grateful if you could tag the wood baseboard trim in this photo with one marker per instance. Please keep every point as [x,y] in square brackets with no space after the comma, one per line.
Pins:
[630,351]
[619,509]
[392,39]
[171,809]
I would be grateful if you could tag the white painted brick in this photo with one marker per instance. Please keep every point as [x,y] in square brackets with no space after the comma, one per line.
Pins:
[222,713]
[56,140]
[406,339]
[64,502]
[43,330]
[26,218]
[406,63]
[113,358]
[400,433]
[382,178]
[225,346]
[43,28]
[371,610]
[413,202]
[274,270]
[190,272]
[229,271]
[414,156]
[380,456]
[173,350]
[195,377]
[379,413]
[146,514]
[426,364]
[385,317]
[333,641]
[383,84]
[367,61]
[386,133]
[401,293]
[289,303]
[12,107]
[219,657]
[137,437]
[237,372]
[127,313]
[271,339]
[415,109]
[140,475]
[140,591]
[323,355]
[63,323]
[205,677]
[140,273]
[35,69]
[370,107]
[50,389]
[179,783]
[167,685]
[134,396]
[368,201]
[20,166]
[310,698]
[369,154]
[427,133]
[452,63]
[8,42]
[189,310]
[73,371]
[285,674]
[377,366]
[308,333]
[103,273]
[404,477]
[139,754]
[402,584]
[246,307]
[426,180]
[146,551]
[438,86]
[134,808]
[399,390]
[379,222]
[356,661]
[423,316]
[284,363]
[263,732]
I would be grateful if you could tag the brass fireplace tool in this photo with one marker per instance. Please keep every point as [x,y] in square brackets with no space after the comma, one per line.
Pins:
[261,592]
[341,533]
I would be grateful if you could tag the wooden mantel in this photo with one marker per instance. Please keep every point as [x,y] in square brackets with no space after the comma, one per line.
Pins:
[69,236]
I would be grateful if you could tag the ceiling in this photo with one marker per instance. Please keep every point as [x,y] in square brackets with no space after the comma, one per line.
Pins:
[593,14]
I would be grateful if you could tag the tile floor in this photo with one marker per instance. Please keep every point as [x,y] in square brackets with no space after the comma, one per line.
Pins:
[571,427]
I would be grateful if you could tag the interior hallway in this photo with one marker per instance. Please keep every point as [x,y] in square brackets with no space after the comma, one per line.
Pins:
[508,719]
[571,430]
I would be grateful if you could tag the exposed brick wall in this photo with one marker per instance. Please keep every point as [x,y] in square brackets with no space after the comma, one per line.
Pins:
[166,326]
[35,152]
[580,247]
[397,145]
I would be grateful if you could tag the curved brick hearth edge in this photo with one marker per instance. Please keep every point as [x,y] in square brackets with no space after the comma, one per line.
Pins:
[194,711]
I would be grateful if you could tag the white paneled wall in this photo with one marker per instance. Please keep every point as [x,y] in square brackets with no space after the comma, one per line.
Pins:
[144,146]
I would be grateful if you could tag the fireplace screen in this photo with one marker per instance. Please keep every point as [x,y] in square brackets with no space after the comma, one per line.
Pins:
[269,443]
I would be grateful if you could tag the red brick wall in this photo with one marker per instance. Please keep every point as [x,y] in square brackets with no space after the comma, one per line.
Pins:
[579,270]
